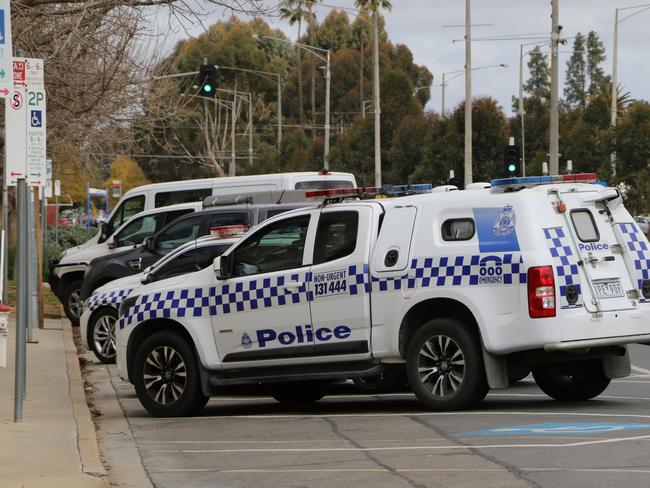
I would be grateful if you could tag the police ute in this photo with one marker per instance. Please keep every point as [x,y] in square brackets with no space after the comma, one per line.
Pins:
[463,290]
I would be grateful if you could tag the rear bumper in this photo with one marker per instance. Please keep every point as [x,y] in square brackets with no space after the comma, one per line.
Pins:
[590,343]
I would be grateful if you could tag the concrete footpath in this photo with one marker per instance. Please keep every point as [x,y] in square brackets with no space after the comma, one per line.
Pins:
[55,445]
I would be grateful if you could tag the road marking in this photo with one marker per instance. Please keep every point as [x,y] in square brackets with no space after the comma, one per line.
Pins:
[612,440]
[325,470]
[582,428]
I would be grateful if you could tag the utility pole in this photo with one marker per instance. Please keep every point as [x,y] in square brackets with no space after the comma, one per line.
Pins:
[442,109]
[279,113]
[468,92]
[233,168]
[614,109]
[250,130]
[326,150]
[521,108]
[376,96]
[554,156]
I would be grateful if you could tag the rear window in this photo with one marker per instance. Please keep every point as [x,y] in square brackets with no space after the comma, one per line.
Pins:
[323,184]
[229,218]
[458,229]
[585,225]
[165,198]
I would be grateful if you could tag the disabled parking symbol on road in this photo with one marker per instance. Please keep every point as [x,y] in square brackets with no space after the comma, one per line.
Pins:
[568,428]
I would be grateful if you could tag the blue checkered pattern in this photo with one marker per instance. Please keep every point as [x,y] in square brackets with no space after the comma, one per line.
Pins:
[243,296]
[113,298]
[637,246]
[257,294]
[566,266]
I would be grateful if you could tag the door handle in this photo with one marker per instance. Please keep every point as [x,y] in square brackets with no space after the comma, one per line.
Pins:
[292,287]
[135,263]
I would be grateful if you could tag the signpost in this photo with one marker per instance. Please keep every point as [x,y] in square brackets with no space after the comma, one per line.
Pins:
[57,194]
[36,123]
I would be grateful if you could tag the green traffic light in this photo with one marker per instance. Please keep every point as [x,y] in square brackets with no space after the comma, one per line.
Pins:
[207,88]
[512,168]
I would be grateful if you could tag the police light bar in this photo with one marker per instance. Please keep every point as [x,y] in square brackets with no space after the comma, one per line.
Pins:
[225,231]
[530,181]
[341,192]
[412,188]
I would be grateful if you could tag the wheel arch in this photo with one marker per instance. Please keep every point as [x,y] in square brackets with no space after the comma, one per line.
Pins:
[91,318]
[433,308]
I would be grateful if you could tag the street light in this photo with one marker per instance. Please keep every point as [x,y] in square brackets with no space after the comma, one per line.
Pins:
[314,50]
[614,108]
[456,74]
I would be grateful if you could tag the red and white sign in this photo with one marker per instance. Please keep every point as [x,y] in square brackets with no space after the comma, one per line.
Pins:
[20,72]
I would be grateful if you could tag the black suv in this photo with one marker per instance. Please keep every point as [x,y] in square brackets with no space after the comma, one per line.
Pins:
[103,269]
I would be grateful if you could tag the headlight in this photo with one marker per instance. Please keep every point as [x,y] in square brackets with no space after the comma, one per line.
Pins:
[126,304]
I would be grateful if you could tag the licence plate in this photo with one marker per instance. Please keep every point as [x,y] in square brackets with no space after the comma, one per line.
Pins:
[609,289]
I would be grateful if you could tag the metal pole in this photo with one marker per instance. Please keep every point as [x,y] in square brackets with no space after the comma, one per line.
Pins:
[21,308]
[43,219]
[232,169]
[56,219]
[88,211]
[468,92]
[377,106]
[326,151]
[614,108]
[554,156]
[521,109]
[32,260]
[443,95]
[250,129]
[5,246]
[279,112]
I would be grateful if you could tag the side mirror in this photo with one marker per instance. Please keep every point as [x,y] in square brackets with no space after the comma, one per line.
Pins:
[150,243]
[222,267]
[146,277]
[103,232]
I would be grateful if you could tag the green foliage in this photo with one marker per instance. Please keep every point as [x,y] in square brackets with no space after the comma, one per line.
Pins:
[538,84]
[595,57]
[574,89]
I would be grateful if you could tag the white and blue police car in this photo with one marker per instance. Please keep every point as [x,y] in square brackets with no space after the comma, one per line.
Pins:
[97,321]
[460,288]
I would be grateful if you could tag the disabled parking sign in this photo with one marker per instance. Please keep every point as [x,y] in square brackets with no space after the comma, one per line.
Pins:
[2,27]
[36,118]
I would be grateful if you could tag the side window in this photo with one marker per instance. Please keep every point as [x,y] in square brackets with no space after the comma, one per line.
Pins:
[458,229]
[138,229]
[171,216]
[183,263]
[166,198]
[585,226]
[336,236]
[275,247]
[126,210]
[228,218]
[179,233]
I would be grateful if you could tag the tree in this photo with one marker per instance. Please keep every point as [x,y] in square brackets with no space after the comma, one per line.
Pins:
[294,11]
[574,90]
[595,57]
[538,83]
[128,172]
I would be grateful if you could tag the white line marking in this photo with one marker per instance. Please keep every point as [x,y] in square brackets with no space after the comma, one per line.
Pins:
[404,414]
[407,448]
[336,470]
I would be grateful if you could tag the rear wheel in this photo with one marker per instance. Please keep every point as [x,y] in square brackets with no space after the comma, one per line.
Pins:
[101,334]
[299,392]
[445,366]
[166,376]
[572,381]
[72,302]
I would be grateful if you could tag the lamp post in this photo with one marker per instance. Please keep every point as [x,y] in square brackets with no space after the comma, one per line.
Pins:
[316,51]
[614,108]
[457,73]
[468,92]
[554,156]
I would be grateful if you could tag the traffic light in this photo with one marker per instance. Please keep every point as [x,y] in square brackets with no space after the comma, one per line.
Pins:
[511,160]
[208,80]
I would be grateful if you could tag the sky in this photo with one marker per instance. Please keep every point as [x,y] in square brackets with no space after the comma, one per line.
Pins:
[420,24]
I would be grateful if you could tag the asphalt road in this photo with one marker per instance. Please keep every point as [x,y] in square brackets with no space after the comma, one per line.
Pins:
[518,437]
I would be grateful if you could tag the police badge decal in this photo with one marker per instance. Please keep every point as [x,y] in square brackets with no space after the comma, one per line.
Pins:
[505,223]
[246,341]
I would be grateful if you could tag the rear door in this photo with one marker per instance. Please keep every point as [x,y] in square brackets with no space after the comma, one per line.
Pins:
[597,270]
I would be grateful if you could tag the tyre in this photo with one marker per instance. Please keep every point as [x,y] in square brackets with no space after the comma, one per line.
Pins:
[445,366]
[392,378]
[101,334]
[572,381]
[166,376]
[72,302]
[299,392]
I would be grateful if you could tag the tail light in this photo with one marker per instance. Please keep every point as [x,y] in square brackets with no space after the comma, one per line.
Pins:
[541,292]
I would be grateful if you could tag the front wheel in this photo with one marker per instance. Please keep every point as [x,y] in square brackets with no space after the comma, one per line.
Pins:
[572,381]
[101,334]
[445,366]
[166,376]
[72,302]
